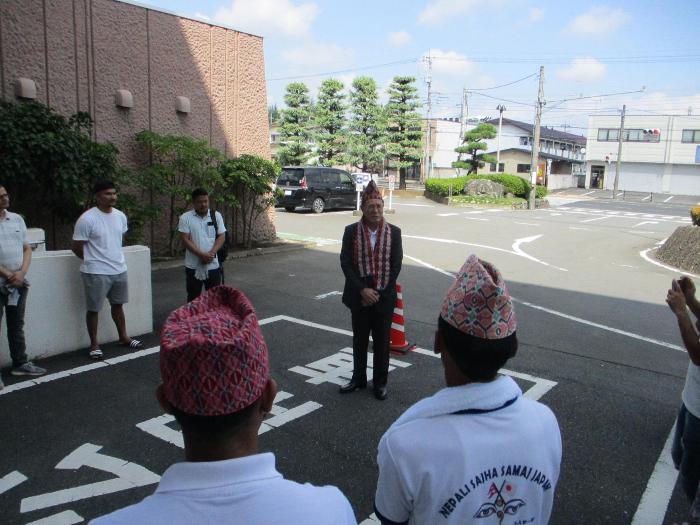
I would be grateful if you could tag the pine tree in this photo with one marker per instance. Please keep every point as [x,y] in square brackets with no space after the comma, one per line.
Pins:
[367,126]
[295,132]
[403,126]
[329,123]
[472,144]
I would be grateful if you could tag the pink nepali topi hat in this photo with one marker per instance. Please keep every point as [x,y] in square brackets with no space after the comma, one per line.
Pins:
[213,358]
[478,303]
[371,192]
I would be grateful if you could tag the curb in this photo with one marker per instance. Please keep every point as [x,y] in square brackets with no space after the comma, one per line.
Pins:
[281,247]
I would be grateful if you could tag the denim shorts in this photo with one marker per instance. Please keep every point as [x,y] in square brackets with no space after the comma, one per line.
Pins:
[98,287]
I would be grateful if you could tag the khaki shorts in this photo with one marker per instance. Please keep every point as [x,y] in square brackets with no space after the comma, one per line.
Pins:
[98,287]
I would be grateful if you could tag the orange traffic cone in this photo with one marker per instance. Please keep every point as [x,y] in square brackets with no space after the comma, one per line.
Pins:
[397,338]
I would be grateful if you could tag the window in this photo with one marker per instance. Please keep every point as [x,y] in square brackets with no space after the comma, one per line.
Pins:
[501,167]
[628,135]
[523,168]
[691,135]
[524,141]
[345,179]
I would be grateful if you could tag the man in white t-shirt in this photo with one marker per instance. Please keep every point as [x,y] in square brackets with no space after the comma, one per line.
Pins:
[686,441]
[216,382]
[476,452]
[15,258]
[202,239]
[97,240]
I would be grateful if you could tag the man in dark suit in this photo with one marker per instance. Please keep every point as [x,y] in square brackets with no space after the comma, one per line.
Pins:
[371,261]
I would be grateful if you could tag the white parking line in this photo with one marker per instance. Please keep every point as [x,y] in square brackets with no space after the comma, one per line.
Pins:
[588,193]
[646,198]
[526,223]
[447,214]
[477,219]
[669,198]
[644,222]
[579,228]
[596,219]
[652,507]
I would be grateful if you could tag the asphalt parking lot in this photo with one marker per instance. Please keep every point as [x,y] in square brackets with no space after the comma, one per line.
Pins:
[597,345]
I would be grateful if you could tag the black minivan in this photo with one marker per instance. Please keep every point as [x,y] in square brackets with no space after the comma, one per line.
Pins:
[315,187]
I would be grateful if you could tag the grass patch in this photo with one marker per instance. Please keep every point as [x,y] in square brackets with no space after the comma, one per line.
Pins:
[498,201]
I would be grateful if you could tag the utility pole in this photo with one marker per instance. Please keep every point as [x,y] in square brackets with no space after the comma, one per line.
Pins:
[463,109]
[501,108]
[427,166]
[618,165]
[536,141]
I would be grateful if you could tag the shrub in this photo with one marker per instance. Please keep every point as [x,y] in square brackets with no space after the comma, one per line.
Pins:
[541,192]
[695,215]
[441,187]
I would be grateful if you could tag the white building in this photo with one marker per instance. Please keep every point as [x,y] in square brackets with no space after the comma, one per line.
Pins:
[660,153]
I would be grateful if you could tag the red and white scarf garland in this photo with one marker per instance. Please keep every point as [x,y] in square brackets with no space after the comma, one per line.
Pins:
[373,262]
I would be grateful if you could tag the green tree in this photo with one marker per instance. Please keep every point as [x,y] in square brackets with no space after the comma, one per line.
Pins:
[404,132]
[367,126]
[49,162]
[250,178]
[329,123]
[472,144]
[179,165]
[295,127]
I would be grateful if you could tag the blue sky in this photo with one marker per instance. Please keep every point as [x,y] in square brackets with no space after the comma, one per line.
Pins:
[586,48]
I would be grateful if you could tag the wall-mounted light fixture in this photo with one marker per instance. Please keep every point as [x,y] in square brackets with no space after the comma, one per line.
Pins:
[182,105]
[25,88]
[124,99]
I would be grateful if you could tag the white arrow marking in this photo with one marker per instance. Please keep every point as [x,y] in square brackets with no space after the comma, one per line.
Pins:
[516,249]
[67,517]
[129,476]
[329,294]
[11,480]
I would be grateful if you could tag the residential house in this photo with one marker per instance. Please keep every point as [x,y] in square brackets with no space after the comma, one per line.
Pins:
[660,153]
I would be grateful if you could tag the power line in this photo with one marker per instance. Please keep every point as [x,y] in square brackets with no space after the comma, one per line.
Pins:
[504,99]
[349,70]
[502,85]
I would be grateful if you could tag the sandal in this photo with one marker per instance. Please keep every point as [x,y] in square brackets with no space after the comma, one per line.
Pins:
[134,343]
[96,354]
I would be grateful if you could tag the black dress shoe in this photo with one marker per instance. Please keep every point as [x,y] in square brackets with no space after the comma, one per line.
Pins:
[352,386]
[380,393]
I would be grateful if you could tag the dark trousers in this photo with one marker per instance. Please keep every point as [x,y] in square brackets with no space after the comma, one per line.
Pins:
[194,285]
[15,326]
[686,451]
[366,320]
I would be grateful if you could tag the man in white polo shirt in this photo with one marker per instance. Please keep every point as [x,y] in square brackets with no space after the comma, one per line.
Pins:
[202,239]
[15,258]
[477,451]
[97,240]
[216,382]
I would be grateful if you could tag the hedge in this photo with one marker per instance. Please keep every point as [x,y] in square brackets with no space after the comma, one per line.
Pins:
[695,215]
[541,192]
[511,184]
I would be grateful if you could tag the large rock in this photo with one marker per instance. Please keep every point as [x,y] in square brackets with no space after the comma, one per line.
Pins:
[682,249]
[484,187]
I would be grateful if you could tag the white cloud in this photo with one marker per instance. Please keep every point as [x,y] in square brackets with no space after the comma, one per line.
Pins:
[399,38]
[201,16]
[437,10]
[535,14]
[449,62]
[269,17]
[599,20]
[583,70]
[315,56]
[660,102]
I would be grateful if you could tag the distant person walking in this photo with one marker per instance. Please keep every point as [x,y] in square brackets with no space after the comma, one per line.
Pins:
[15,258]
[97,240]
[202,232]
[370,258]
[686,441]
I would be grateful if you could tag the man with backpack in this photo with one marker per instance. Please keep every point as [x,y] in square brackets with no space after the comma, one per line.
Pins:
[203,233]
